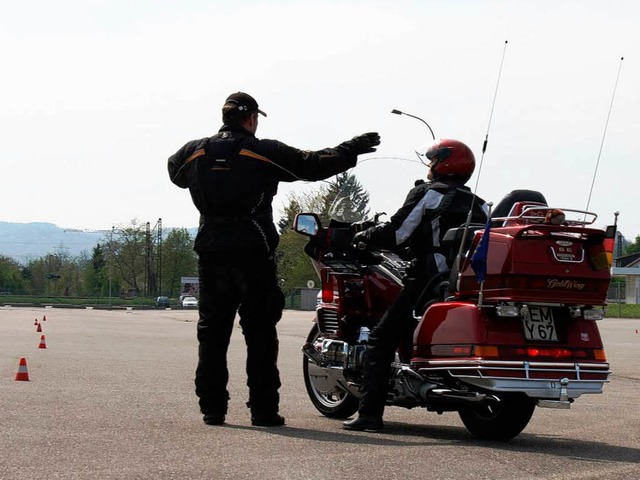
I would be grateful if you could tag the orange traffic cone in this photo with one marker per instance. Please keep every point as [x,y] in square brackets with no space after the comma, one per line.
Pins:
[23,373]
[44,318]
[43,342]
[39,329]
[35,322]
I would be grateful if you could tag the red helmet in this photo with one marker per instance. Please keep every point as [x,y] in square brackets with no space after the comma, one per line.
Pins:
[451,158]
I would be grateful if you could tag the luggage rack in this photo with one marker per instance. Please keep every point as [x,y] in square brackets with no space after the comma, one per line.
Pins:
[537,214]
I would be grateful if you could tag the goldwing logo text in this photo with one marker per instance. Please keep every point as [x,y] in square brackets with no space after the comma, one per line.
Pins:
[566,284]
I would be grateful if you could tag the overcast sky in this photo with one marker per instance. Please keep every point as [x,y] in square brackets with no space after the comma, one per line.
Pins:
[95,95]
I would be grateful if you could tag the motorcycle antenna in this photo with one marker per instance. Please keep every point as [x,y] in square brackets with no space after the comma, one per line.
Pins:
[465,233]
[493,105]
[593,180]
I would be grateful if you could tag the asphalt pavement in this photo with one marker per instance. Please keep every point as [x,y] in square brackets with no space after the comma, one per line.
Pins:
[111,397]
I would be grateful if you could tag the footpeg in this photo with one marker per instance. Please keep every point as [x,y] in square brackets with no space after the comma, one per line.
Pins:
[314,355]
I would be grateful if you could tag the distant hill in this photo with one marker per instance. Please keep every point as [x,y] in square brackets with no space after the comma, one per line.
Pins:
[27,241]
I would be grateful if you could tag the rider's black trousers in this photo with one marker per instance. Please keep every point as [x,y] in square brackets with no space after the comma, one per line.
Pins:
[394,330]
[249,287]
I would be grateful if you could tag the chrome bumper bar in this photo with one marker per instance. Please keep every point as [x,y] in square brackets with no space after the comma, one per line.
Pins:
[541,380]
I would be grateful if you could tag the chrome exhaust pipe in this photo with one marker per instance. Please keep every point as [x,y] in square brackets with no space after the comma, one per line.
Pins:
[458,397]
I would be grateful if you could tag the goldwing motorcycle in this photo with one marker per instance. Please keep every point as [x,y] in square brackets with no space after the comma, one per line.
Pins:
[526,336]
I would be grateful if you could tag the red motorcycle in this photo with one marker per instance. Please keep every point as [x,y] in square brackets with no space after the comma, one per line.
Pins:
[526,336]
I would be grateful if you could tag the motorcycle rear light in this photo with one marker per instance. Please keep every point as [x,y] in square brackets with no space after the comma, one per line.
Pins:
[511,353]
[327,293]
[555,353]
[599,354]
[593,314]
[537,353]
[507,311]
[451,350]
[330,289]
[485,351]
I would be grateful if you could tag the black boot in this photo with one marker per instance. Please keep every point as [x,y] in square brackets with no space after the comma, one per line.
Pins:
[267,420]
[367,423]
[213,418]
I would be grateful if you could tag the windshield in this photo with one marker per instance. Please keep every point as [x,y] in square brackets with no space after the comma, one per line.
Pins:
[375,185]
[342,210]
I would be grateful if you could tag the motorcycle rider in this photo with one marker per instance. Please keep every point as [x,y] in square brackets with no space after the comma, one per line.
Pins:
[232,178]
[430,209]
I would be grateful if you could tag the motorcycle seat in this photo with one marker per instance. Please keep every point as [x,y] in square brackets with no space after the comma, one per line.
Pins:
[513,203]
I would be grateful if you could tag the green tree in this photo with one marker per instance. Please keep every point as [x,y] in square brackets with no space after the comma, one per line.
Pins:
[96,273]
[55,274]
[178,260]
[294,266]
[346,198]
[633,247]
[343,196]
[129,255]
[11,278]
[289,214]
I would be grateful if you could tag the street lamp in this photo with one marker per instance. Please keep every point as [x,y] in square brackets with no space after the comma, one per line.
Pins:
[110,259]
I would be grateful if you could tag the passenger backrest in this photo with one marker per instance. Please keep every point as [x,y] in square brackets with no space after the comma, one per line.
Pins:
[505,207]
[453,238]
[452,241]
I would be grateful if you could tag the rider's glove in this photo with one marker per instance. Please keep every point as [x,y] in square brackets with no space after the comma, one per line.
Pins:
[364,143]
[361,239]
[362,225]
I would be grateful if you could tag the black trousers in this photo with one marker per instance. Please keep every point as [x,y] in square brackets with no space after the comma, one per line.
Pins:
[393,330]
[248,287]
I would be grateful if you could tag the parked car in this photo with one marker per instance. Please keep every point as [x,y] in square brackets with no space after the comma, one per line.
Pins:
[162,302]
[189,301]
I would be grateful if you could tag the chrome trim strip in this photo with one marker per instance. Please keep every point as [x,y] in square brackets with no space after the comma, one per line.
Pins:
[514,363]
[479,369]
[474,362]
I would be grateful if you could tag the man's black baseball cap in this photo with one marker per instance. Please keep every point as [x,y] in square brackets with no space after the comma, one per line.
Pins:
[244,102]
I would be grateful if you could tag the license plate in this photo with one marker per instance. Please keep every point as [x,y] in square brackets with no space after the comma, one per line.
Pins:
[539,324]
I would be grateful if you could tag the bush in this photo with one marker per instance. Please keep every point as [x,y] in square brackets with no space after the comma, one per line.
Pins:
[76,301]
[623,310]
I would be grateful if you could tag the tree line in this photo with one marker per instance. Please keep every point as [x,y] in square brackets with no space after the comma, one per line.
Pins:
[126,262]
[130,261]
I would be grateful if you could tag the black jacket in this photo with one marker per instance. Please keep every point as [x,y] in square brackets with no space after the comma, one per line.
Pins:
[429,210]
[233,177]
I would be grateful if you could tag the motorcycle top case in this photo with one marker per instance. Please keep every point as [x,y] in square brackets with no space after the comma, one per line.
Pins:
[540,263]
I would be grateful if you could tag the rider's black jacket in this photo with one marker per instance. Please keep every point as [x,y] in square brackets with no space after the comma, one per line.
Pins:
[430,209]
[233,177]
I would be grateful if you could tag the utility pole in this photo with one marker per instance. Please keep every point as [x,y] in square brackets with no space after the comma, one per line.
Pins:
[147,282]
[110,259]
[159,258]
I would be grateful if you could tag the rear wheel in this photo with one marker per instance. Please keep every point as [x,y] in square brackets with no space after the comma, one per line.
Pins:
[327,396]
[500,421]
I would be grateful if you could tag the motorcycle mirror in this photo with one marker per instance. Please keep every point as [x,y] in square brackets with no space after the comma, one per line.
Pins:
[307,224]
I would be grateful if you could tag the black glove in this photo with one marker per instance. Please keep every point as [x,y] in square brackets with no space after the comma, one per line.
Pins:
[361,239]
[362,225]
[365,143]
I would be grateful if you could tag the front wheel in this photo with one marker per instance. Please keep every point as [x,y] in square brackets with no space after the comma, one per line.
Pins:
[500,421]
[327,396]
